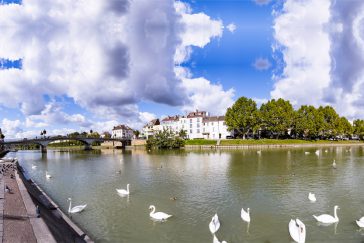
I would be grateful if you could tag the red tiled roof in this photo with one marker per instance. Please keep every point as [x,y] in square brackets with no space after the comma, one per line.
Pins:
[196,114]
[121,127]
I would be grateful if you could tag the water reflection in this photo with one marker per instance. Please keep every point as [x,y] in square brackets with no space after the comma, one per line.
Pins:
[273,183]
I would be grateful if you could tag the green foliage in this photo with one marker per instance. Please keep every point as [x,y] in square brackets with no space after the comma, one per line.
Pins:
[182,134]
[331,121]
[308,122]
[242,117]
[358,127]
[164,140]
[200,142]
[136,133]
[277,116]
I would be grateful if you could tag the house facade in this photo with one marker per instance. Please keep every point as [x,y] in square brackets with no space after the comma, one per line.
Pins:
[122,131]
[197,124]
[151,128]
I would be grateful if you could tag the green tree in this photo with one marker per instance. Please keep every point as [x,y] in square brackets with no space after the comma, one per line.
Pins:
[345,128]
[242,117]
[308,122]
[136,133]
[182,134]
[358,128]
[277,116]
[331,124]
[164,140]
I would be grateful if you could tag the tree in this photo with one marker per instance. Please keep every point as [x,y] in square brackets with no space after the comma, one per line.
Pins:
[345,128]
[164,140]
[308,122]
[277,116]
[242,117]
[331,121]
[182,134]
[136,133]
[358,128]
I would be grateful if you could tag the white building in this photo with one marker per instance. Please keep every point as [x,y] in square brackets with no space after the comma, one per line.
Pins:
[122,131]
[197,124]
[215,128]
[151,128]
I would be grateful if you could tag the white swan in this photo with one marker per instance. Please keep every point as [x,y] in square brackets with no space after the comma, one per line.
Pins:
[34,167]
[75,209]
[311,197]
[48,176]
[123,191]
[245,215]
[360,222]
[259,152]
[317,152]
[334,164]
[297,230]
[214,224]
[216,240]
[158,215]
[328,219]
[307,153]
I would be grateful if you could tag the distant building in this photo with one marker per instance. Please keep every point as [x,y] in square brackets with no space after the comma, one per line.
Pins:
[122,131]
[197,124]
[151,128]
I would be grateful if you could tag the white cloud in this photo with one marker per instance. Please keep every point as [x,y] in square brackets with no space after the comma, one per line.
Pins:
[198,30]
[262,64]
[231,27]
[262,2]
[322,45]
[105,55]
[307,60]
[207,96]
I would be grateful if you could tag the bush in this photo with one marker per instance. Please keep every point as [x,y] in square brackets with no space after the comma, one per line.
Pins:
[164,140]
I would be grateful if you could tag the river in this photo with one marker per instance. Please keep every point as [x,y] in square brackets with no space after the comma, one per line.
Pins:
[274,184]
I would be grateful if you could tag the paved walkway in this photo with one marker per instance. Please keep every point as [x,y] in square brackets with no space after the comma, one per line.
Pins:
[18,222]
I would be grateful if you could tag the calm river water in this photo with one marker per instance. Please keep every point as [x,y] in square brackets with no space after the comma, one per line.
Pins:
[273,184]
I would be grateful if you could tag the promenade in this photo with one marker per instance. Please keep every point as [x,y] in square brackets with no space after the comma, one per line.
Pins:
[18,217]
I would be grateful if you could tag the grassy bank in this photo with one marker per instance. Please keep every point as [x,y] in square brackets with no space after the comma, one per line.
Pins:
[200,142]
[266,142]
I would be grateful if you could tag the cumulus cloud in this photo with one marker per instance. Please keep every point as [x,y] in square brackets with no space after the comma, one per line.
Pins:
[322,45]
[231,27]
[299,30]
[262,2]
[198,30]
[207,96]
[262,64]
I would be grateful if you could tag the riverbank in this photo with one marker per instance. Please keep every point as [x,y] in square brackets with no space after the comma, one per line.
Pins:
[19,221]
[62,228]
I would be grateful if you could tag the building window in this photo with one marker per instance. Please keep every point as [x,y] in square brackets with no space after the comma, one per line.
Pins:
[198,119]
[198,124]
[191,131]
[190,125]
[198,130]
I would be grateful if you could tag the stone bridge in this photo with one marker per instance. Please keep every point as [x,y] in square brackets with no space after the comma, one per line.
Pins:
[43,142]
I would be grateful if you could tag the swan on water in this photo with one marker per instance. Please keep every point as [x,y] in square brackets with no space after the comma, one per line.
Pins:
[34,167]
[328,219]
[123,191]
[216,240]
[311,197]
[158,215]
[214,224]
[307,152]
[245,215]
[48,176]
[334,164]
[317,152]
[360,222]
[259,152]
[297,230]
[75,209]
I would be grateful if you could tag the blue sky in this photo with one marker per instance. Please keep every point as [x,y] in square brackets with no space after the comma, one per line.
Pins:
[65,67]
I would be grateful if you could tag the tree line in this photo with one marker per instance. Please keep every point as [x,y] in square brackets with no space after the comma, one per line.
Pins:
[278,119]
